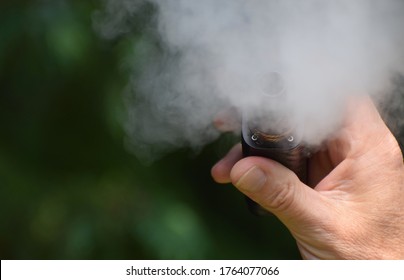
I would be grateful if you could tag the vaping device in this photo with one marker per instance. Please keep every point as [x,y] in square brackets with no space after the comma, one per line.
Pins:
[284,148]
[268,134]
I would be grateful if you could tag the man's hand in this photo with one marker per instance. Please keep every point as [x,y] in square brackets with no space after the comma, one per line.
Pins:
[355,209]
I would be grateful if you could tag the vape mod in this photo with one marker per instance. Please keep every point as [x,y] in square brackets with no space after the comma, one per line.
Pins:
[265,132]
[284,148]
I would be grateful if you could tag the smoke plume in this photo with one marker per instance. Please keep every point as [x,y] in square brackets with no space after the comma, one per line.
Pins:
[198,57]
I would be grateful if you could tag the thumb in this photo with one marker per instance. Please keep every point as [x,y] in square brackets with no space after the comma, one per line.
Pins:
[279,190]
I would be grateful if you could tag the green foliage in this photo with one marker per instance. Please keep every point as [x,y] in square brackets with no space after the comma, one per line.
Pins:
[68,187]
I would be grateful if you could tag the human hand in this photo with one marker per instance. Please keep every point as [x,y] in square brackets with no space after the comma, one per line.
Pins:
[355,209]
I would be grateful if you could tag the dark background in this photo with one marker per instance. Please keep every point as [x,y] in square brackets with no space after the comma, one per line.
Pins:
[68,187]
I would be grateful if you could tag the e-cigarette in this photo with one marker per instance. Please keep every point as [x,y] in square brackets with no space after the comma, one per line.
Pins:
[268,134]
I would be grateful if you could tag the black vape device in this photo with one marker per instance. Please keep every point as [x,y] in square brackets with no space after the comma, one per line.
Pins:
[284,147]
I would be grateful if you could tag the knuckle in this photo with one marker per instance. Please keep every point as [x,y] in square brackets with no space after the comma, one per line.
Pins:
[281,197]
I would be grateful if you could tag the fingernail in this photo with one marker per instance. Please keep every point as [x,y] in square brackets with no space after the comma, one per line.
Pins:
[253,180]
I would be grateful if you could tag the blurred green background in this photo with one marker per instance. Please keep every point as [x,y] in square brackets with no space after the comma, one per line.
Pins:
[68,187]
